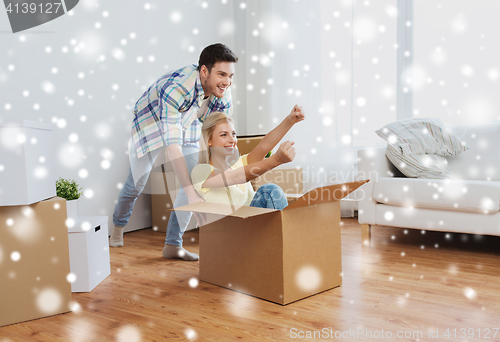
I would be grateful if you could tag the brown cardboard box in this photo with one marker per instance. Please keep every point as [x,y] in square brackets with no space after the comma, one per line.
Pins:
[34,261]
[161,201]
[160,205]
[162,198]
[247,143]
[290,180]
[280,256]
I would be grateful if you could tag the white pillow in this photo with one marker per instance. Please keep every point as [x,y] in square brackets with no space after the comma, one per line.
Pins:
[419,166]
[421,136]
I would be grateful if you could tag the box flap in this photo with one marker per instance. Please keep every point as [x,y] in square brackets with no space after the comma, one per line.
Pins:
[246,211]
[55,198]
[325,194]
[225,209]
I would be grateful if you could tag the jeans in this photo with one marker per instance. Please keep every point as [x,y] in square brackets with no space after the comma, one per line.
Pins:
[128,195]
[269,196]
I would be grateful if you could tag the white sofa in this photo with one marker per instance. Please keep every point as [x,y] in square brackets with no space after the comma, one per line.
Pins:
[467,203]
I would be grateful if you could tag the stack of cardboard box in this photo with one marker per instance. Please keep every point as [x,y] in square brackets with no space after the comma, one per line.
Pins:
[34,255]
[40,264]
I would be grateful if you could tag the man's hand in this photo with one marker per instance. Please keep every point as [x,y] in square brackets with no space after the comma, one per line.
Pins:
[296,115]
[193,197]
[285,153]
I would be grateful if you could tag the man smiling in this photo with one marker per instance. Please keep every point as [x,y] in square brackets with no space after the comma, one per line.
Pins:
[169,114]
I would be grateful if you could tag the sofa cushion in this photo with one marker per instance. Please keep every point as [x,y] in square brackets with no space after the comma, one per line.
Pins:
[419,166]
[472,196]
[421,136]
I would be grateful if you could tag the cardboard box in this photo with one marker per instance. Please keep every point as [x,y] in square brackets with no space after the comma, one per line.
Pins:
[162,198]
[280,256]
[290,180]
[246,143]
[27,162]
[34,261]
[89,252]
[160,205]
[161,201]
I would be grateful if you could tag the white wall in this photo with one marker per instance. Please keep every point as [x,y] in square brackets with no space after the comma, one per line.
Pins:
[285,66]
[374,69]
[115,50]
[320,55]
[456,60]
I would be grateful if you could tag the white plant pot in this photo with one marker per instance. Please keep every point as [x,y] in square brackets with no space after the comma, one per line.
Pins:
[72,209]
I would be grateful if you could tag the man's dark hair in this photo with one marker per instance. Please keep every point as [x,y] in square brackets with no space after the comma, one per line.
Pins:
[216,53]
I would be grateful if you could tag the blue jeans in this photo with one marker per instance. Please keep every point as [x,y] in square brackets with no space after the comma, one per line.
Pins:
[128,195]
[269,196]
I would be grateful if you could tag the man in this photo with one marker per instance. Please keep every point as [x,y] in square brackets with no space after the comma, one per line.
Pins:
[169,114]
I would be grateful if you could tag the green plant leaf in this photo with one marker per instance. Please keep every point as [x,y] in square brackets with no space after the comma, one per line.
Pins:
[68,189]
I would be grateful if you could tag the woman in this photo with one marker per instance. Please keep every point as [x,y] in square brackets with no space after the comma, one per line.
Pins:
[222,176]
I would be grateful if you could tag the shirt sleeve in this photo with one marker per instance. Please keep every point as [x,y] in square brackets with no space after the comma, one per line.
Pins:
[199,175]
[170,100]
[244,159]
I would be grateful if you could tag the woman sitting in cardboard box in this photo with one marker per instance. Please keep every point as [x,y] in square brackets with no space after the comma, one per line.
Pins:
[222,176]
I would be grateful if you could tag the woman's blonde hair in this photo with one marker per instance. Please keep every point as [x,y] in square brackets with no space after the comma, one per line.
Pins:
[206,134]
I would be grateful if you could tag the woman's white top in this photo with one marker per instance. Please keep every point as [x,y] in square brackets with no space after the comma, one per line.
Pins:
[237,195]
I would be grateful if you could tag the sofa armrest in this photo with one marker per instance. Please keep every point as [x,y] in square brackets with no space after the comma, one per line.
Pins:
[366,205]
[372,164]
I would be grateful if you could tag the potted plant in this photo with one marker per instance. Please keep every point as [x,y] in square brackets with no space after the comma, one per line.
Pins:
[71,191]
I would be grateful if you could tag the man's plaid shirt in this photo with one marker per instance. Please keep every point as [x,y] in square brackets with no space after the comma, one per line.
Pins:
[166,114]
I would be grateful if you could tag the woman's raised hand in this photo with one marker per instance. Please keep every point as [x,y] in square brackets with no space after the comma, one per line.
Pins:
[297,114]
[285,153]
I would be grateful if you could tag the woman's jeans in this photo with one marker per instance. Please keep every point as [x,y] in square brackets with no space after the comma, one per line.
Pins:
[269,196]
[178,221]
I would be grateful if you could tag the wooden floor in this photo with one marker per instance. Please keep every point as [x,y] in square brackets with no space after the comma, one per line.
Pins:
[411,283]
